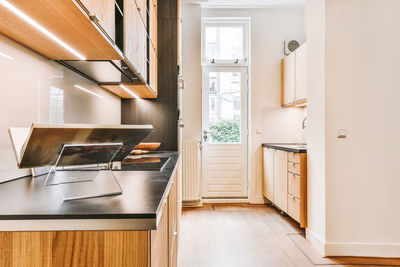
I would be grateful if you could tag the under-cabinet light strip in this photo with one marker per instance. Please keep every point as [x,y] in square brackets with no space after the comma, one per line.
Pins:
[129,91]
[39,27]
[88,91]
[6,56]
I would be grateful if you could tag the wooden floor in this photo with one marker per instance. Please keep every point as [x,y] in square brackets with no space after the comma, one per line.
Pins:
[221,235]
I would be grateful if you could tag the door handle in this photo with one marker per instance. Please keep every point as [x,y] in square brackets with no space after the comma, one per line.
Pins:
[207,132]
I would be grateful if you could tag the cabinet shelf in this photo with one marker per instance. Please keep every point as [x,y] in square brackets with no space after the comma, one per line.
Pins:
[141,90]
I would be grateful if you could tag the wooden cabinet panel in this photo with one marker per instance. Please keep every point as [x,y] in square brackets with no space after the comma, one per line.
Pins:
[172,210]
[288,79]
[135,45]
[159,242]
[141,6]
[301,73]
[141,90]
[104,13]
[174,254]
[153,26]
[179,201]
[74,248]
[268,174]
[294,167]
[153,71]
[294,157]
[293,207]
[280,179]
[294,184]
[65,20]
[155,4]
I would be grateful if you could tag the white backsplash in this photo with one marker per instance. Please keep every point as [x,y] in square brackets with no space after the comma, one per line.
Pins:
[283,125]
[35,89]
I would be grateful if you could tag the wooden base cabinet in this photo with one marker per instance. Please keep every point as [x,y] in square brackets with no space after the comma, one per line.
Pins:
[285,182]
[297,187]
[154,248]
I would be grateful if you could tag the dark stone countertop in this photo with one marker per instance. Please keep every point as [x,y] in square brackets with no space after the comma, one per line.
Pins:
[144,192]
[296,148]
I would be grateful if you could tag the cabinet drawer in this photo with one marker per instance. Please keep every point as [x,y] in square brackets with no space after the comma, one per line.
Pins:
[294,157]
[294,184]
[294,167]
[294,207]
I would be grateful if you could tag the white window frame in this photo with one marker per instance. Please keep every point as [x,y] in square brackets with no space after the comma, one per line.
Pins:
[213,21]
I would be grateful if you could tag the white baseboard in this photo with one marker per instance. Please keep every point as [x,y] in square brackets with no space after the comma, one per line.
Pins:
[225,200]
[355,249]
[317,243]
[384,250]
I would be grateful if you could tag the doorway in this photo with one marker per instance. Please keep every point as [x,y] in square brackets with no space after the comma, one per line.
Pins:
[224,132]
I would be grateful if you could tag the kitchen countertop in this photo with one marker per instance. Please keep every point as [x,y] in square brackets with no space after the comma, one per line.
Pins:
[28,204]
[296,148]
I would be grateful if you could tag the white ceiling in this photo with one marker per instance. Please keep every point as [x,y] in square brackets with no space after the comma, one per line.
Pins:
[249,3]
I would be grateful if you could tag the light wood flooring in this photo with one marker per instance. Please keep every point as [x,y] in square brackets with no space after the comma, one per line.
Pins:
[221,235]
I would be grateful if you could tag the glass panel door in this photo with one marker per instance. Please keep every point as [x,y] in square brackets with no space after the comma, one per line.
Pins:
[224,106]
[224,133]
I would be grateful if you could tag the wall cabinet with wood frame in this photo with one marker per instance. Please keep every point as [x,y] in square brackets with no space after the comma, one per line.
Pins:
[285,182]
[294,78]
[91,30]
[140,48]
[69,21]
[102,12]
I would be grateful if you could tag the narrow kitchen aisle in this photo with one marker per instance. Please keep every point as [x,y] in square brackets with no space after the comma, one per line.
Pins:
[220,235]
[242,235]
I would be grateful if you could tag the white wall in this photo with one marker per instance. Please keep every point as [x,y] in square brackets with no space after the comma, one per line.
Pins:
[191,70]
[361,94]
[26,80]
[269,29]
[316,124]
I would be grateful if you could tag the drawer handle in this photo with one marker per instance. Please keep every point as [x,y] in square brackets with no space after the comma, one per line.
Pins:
[94,18]
[175,233]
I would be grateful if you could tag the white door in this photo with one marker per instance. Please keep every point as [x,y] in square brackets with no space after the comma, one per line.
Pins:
[224,132]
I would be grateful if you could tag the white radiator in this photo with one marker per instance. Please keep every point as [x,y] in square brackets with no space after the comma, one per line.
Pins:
[191,171]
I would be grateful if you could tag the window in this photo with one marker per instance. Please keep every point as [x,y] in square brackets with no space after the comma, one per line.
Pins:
[225,53]
[224,104]
[225,41]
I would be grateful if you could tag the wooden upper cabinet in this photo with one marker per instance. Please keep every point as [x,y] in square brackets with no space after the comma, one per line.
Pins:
[288,79]
[153,25]
[280,179]
[294,77]
[153,71]
[155,4]
[142,8]
[135,44]
[301,73]
[65,19]
[103,13]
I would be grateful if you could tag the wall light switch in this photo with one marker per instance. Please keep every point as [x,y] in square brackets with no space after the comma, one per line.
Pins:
[341,133]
